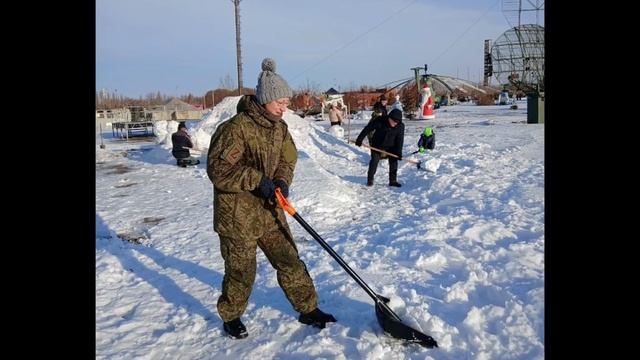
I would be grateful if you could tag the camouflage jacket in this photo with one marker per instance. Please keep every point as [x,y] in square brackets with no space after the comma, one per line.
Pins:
[243,149]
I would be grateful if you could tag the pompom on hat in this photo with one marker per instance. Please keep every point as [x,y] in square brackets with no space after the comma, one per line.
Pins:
[271,86]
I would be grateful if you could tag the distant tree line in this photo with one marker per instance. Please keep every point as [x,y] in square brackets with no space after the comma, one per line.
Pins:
[226,87]
[214,97]
[111,100]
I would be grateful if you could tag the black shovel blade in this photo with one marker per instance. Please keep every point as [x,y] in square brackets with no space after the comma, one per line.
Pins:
[391,323]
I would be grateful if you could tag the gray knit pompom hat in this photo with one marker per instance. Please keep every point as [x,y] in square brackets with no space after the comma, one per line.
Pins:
[271,86]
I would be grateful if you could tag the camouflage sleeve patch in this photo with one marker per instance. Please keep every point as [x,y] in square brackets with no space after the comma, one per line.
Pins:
[232,154]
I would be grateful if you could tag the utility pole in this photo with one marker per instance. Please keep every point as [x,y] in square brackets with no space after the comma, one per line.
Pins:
[488,66]
[416,71]
[236,3]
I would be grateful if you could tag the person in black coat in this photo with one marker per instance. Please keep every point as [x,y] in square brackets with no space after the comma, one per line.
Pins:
[181,145]
[379,109]
[388,135]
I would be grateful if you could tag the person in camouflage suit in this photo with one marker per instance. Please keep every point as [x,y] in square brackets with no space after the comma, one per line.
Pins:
[249,156]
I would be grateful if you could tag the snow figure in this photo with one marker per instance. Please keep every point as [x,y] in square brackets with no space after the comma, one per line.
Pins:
[503,99]
[426,104]
[397,104]
[337,131]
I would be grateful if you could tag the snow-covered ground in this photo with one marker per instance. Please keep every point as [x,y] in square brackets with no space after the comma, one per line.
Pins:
[460,252]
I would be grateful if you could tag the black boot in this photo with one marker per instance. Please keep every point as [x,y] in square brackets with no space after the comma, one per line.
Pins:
[393,173]
[316,318]
[235,328]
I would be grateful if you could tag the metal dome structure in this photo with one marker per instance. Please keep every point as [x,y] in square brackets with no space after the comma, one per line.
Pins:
[518,58]
[518,12]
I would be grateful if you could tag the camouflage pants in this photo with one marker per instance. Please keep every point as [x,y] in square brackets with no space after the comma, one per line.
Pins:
[240,272]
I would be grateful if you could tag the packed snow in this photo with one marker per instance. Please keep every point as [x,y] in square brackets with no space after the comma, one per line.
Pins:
[459,248]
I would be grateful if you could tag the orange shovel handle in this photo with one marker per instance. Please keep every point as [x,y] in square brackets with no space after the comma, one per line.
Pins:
[284,203]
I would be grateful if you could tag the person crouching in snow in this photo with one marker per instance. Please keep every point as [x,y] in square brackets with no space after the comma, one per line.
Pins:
[388,136]
[250,156]
[427,140]
[181,141]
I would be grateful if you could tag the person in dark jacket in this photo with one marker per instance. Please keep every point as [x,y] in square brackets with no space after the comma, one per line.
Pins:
[251,155]
[181,141]
[379,109]
[388,136]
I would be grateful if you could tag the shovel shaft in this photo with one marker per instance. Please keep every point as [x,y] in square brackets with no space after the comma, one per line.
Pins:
[381,151]
[390,154]
[379,300]
[336,257]
[389,320]
[192,150]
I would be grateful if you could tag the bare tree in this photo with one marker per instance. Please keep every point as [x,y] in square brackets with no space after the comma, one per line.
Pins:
[311,87]
[352,86]
[227,83]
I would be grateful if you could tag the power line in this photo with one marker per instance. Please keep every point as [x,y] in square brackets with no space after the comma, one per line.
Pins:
[352,41]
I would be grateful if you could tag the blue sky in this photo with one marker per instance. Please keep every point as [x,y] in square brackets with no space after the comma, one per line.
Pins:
[182,46]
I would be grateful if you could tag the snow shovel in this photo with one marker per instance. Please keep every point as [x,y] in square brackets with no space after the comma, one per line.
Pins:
[418,162]
[390,322]
[196,152]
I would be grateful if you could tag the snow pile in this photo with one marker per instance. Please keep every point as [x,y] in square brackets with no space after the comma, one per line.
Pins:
[460,252]
[163,130]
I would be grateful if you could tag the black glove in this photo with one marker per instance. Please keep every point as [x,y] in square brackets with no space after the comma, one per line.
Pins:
[358,142]
[279,183]
[400,157]
[267,188]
